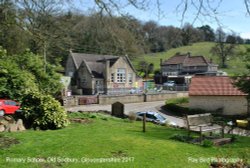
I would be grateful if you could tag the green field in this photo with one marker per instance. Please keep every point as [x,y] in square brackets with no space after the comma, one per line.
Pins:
[107,137]
[235,62]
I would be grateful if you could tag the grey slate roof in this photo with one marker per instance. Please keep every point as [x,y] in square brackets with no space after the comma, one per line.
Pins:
[95,63]
[79,57]
[97,69]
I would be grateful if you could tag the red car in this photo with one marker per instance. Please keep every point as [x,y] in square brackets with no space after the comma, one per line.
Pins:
[8,107]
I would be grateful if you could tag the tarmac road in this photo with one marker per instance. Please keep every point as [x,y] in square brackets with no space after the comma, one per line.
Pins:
[132,107]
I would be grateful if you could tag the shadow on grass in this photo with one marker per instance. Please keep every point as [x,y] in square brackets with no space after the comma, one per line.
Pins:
[157,132]
[6,142]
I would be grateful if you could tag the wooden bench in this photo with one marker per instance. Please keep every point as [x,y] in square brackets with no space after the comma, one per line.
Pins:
[203,123]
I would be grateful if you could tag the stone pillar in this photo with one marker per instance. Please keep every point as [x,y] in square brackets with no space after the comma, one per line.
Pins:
[107,75]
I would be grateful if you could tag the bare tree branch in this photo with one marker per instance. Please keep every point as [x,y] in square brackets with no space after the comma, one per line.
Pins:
[247,4]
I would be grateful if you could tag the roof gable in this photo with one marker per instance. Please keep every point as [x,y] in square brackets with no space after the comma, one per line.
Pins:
[177,59]
[213,86]
[187,60]
[195,61]
[79,57]
[96,63]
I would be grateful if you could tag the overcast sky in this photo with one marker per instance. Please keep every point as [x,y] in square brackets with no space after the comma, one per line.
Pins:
[231,15]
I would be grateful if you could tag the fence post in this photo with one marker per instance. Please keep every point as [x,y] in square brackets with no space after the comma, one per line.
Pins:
[144,123]
[145,97]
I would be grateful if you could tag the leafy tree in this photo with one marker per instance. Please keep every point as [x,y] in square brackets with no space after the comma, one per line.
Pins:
[22,77]
[14,81]
[243,81]
[190,34]
[150,30]
[239,40]
[22,73]
[12,37]
[173,37]
[106,35]
[231,39]
[221,48]
[208,33]
[48,82]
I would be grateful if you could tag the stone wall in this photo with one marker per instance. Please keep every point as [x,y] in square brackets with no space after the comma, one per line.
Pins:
[136,98]
[165,96]
[229,105]
[70,101]
[110,99]
[130,98]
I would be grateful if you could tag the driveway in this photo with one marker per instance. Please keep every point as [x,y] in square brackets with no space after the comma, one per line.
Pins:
[133,107]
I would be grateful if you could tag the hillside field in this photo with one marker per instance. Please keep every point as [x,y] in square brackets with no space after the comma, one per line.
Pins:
[236,65]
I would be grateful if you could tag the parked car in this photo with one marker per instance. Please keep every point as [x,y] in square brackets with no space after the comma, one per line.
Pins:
[8,107]
[151,116]
[169,83]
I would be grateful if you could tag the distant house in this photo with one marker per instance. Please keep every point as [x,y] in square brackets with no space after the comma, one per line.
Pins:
[185,64]
[216,93]
[91,74]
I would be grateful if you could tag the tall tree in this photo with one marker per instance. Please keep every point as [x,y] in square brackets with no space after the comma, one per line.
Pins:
[190,34]
[243,81]
[39,19]
[221,48]
[150,29]
[231,38]
[208,33]
[12,37]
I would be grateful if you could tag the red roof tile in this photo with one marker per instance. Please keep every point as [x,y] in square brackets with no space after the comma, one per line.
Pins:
[213,86]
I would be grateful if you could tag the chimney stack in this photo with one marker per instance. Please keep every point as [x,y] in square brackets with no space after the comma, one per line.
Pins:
[211,60]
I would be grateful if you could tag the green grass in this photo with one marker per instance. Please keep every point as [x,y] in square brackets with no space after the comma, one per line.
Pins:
[235,63]
[108,137]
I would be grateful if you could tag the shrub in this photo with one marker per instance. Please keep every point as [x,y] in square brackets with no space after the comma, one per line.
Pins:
[132,116]
[207,143]
[178,100]
[43,111]
[179,108]
[182,138]
[234,138]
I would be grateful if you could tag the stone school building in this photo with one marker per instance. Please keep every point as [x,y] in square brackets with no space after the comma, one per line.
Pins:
[93,74]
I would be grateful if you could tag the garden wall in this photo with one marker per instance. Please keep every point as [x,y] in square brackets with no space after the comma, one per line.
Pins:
[131,98]
[110,99]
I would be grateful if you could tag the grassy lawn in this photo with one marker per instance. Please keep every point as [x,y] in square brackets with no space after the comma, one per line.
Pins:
[235,63]
[107,137]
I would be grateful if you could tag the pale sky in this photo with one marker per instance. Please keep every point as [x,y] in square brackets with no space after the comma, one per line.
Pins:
[231,15]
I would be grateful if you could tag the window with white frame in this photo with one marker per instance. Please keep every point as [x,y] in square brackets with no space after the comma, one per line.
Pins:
[112,77]
[121,75]
[130,78]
